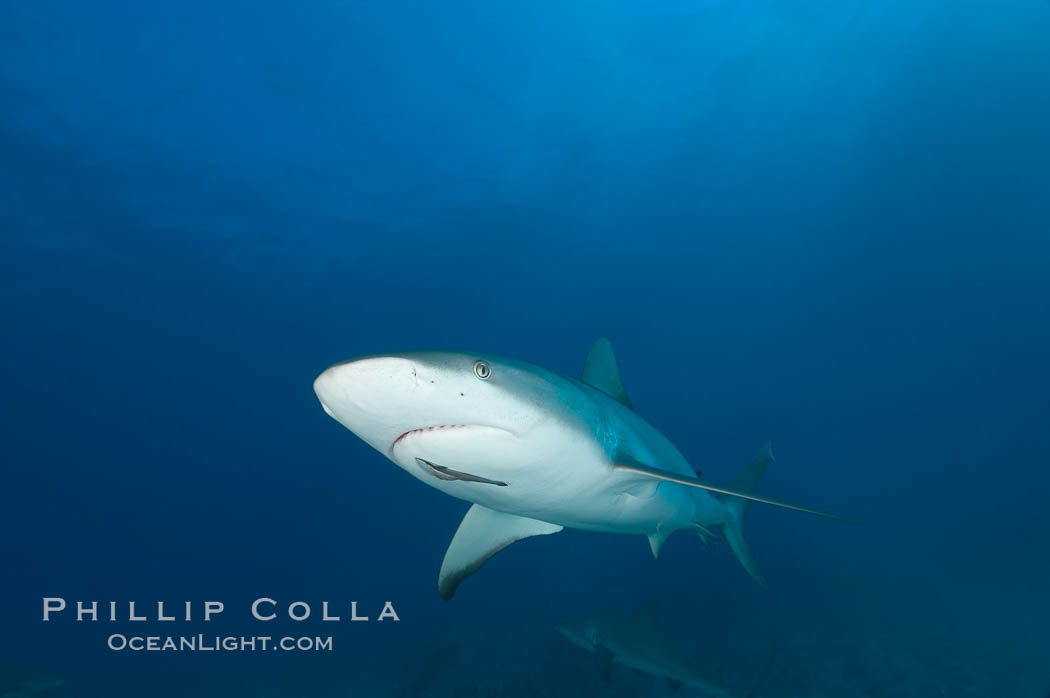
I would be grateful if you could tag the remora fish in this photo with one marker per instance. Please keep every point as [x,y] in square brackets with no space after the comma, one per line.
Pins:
[636,643]
[534,451]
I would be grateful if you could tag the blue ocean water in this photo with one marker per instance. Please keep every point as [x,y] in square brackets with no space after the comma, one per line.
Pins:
[820,224]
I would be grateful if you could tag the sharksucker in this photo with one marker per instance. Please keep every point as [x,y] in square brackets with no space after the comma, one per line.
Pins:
[443,473]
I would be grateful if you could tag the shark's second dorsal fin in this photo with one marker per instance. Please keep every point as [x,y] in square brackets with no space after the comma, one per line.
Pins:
[648,615]
[602,372]
[483,533]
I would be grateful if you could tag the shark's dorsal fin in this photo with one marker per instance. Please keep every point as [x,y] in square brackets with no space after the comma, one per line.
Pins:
[602,372]
[483,533]
[648,615]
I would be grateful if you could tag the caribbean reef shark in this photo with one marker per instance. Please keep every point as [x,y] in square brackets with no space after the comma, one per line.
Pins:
[636,643]
[535,451]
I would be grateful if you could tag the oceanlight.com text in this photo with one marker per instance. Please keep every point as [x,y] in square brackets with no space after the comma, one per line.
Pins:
[217,643]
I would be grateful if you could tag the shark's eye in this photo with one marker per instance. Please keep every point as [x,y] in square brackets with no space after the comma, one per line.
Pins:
[482,370]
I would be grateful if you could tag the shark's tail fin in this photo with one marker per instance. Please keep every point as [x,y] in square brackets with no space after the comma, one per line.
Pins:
[736,507]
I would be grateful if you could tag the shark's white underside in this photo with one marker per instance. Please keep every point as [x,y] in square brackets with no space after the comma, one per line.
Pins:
[551,475]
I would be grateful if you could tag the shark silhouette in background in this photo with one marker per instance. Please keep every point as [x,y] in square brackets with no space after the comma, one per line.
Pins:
[534,451]
[636,643]
[23,681]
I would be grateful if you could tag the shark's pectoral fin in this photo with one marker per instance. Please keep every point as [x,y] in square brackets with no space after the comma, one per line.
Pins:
[603,657]
[675,684]
[483,533]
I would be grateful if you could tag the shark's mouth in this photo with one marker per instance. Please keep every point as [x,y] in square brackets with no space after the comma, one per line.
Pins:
[424,430]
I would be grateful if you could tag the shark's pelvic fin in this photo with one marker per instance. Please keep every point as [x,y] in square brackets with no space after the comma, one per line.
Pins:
[602,372]
[483,533]
[706,534]
[656,541]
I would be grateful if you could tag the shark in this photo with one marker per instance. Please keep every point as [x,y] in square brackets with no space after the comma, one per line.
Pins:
[535,452]
[636,643]
[23,681]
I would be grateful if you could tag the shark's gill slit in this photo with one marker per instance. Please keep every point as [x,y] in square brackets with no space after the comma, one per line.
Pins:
[443,473]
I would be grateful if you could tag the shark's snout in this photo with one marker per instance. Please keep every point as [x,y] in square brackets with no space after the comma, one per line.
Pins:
[375,397]
[365,384]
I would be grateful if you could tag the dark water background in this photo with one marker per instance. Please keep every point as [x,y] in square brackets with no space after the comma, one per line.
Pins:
[824,224]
